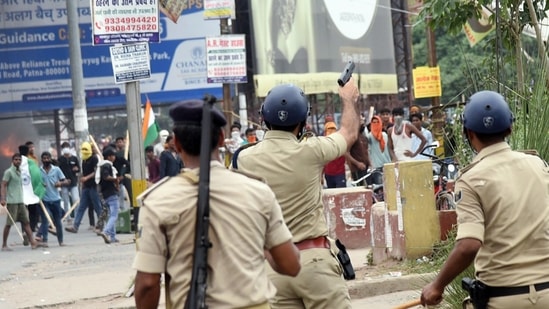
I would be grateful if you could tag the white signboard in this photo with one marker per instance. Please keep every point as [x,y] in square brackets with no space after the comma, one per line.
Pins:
[217,9]
[125,21]
[226,59]
[130,62]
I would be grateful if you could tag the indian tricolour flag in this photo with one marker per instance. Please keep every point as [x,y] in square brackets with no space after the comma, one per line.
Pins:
[149,130]
[31,181]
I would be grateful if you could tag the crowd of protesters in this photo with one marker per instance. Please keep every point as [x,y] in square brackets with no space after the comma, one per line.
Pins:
[49,193]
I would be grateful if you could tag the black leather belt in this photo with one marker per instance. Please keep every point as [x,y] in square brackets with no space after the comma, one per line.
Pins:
[499,291]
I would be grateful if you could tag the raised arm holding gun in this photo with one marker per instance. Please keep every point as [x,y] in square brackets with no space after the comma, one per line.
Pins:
[293,170]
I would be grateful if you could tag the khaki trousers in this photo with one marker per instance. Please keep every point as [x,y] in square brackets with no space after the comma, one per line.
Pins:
[319,284]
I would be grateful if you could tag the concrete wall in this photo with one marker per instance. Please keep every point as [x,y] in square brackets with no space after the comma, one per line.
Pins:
[406,225]
[348,213]
[409,192]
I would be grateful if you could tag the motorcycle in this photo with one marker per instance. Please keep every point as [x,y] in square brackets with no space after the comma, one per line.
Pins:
[444,170]
[374,182]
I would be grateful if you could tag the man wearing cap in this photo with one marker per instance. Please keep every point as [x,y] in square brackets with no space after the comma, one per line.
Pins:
[109,191]
[334,171]
[89,195]
[244,229]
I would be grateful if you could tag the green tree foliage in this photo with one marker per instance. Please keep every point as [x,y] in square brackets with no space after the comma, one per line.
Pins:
[505,61]
[459,64]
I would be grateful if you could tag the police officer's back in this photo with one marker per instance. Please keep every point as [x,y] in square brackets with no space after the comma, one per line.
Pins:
[243,224]
[503,215]
[293,169]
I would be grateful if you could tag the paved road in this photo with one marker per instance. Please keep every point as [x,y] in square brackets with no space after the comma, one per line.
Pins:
[85,268]
[89,274]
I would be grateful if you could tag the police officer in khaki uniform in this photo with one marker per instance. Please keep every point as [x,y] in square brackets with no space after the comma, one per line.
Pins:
[503,214]
[293,170]
[246,227]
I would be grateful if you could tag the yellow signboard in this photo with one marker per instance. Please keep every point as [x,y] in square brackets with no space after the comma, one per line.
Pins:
[427,82]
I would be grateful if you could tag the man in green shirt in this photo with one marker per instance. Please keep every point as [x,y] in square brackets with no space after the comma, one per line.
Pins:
[11,196]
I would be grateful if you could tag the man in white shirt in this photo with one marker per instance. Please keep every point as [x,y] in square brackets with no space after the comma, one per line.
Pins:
[417,121]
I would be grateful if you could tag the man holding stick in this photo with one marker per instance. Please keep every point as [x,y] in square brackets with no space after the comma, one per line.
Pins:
[12,199]
[53,179]
[89,196]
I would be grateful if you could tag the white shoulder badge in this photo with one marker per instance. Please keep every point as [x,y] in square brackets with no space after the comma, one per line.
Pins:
[144,194]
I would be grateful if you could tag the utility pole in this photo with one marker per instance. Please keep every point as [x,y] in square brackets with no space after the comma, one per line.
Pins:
[227,102]
[137,149]
[438,120]
[80,113]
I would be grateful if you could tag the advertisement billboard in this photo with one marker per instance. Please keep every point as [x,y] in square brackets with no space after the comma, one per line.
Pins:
[35,62]
[226,59]
[308,43]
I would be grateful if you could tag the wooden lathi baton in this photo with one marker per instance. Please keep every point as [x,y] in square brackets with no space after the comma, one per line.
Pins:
[410,304]
[47,214]
[14,223]
[70,210]
[94,145]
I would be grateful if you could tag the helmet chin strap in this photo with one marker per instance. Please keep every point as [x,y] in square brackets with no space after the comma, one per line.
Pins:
[301,130]
[466,136]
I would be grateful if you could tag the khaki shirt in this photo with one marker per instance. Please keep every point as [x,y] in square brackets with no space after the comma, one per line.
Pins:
[293,170]
[503,201]
[245,219]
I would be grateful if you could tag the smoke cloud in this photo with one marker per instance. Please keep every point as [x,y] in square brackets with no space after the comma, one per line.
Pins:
[15,132]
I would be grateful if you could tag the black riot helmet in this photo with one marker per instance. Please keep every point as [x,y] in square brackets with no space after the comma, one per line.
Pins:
[285,106]
[487,112]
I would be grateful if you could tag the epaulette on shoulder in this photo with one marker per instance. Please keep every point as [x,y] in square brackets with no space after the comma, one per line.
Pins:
[249,175]
[533,152]
[143,195]
[467,168]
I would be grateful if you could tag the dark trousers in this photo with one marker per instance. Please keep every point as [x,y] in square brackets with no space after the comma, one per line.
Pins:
[91,215]
[54,210]
[34,215]
[335,181]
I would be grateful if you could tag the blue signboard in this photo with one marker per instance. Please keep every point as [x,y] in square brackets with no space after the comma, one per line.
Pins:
[35,62]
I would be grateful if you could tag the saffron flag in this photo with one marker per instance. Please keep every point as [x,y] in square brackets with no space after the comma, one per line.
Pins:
[149,130]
